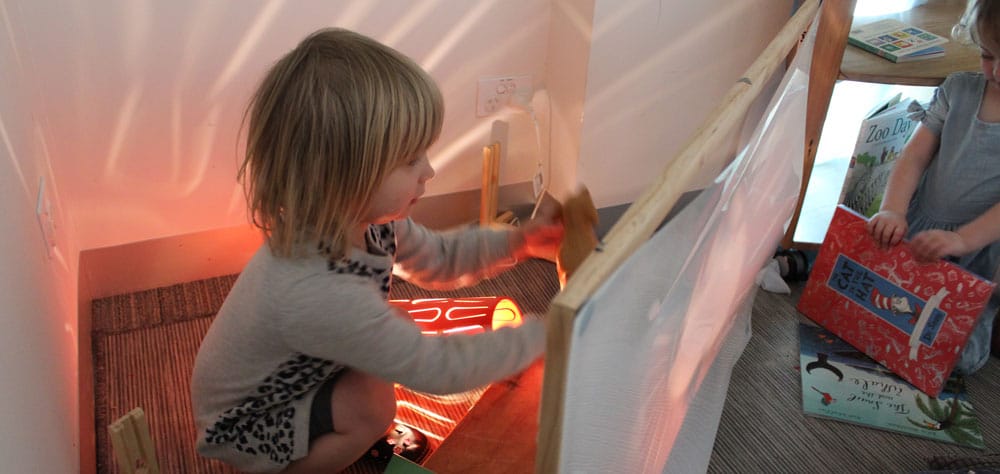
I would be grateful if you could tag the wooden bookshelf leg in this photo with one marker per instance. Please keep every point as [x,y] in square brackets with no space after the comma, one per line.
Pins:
[828,52]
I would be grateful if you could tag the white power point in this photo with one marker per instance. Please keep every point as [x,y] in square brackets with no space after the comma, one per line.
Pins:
[496,92]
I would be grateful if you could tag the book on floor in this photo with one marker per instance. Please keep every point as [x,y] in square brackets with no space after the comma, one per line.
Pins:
[897,41]
[841,383]
[913,318]
[881,137]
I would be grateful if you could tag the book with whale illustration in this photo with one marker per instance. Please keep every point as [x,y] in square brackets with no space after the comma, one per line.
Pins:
[841,383]
[913,318]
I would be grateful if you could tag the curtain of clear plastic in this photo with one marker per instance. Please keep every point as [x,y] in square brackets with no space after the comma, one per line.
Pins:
[653,350]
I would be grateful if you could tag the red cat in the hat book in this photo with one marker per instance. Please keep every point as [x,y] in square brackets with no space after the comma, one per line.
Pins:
[912,318]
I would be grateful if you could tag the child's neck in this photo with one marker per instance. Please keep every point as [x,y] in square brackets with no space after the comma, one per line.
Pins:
[989,110]
[358,237]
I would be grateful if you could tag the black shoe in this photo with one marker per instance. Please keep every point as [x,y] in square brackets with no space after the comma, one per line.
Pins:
[793,264]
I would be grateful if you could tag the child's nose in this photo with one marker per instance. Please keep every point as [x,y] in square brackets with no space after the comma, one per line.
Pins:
[428,171]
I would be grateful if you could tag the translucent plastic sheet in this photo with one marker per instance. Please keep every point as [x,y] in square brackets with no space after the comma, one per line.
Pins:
[653,350]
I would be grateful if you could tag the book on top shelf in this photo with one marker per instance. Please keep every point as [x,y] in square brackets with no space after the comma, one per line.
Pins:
[913,318]
[841,383]
[883,133]
[897,41]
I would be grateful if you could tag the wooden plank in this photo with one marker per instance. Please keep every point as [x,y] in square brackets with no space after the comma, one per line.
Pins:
[495,180]
[486,196]
[132,444]
[641,219]
[145,441]
[498,434]
[558,340]
[119,445]
[831,38]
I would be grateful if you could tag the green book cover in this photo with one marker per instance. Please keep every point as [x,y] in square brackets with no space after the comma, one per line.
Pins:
[401,465]
[841,383]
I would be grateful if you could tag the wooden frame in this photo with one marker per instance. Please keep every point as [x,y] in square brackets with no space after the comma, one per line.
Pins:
[639,222]
[833,27]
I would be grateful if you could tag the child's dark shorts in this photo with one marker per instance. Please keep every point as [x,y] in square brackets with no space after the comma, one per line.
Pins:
[321,415]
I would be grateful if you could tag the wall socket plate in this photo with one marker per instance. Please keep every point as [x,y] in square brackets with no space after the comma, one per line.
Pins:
[496,92]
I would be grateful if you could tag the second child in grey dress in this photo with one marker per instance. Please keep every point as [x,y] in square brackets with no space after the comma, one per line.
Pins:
[961,183]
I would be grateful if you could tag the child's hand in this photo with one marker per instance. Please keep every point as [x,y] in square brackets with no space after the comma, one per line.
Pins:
[931,245]
[540,237]
[888,228]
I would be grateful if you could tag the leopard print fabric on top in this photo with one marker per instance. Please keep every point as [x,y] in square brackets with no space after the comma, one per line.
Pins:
[262,424]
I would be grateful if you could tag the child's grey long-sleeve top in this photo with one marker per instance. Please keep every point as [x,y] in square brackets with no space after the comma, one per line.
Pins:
[289,324]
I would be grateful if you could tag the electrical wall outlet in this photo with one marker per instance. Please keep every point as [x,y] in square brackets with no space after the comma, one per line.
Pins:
[46,222]
[496,92]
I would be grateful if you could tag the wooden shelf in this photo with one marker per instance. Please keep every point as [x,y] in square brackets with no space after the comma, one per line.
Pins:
[936,16]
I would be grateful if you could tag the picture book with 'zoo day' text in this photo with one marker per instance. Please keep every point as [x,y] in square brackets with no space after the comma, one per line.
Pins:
[883,134]
[913,318]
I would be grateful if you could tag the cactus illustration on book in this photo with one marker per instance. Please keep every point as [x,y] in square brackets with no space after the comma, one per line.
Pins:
[840,383]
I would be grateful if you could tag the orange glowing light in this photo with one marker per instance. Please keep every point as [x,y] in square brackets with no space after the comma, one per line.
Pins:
[461,315]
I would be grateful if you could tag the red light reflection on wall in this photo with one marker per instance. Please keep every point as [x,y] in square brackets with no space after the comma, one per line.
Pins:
[461,315]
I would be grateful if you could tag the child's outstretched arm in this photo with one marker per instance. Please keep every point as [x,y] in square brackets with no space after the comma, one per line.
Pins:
[351,323]
[445,260]
[933,244]
[889,226]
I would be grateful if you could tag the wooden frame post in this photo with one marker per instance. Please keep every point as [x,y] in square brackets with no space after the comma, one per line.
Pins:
[831,33]
[639,222]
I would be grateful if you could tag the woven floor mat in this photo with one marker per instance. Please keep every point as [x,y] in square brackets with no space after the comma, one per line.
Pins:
[145,344]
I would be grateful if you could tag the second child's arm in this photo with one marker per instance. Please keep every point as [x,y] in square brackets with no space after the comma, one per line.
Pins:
[888,226]
[980,232]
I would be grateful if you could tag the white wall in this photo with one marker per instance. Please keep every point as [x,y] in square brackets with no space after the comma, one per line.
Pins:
[144,98]
[657,69]
[38,375]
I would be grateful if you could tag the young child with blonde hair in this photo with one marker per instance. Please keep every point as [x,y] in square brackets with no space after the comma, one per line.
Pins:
[296,372]
[944,191]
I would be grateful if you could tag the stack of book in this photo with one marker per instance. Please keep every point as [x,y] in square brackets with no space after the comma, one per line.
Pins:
[889,328]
